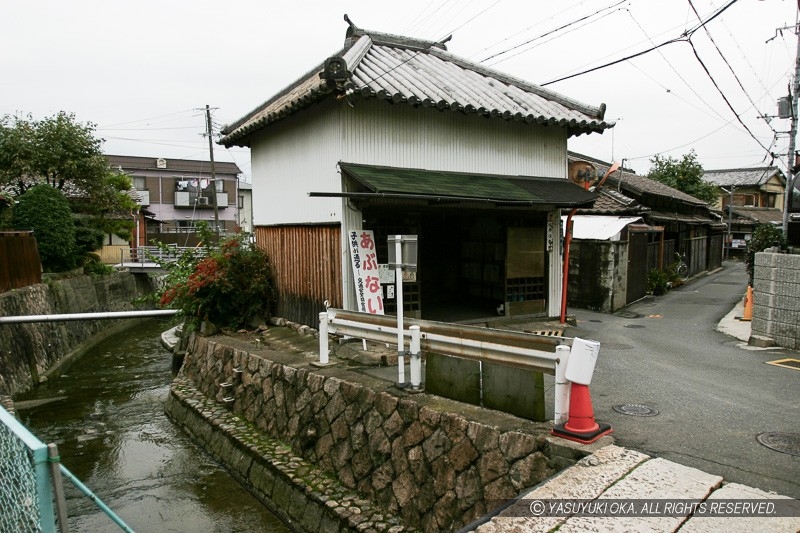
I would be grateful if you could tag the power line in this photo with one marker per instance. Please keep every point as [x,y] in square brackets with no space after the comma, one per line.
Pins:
[683,37]
[722,94]
[502,52]
[470,20]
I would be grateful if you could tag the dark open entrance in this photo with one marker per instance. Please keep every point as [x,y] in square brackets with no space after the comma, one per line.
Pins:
[473,264]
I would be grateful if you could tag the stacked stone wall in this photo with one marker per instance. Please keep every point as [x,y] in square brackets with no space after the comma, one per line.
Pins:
[434,468]
[29,351]
[776,298]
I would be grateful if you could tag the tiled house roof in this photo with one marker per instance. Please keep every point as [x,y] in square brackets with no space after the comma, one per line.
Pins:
[742,177]
[398,69]
[759,215]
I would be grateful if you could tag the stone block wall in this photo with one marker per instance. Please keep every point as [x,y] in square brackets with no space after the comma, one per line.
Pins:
[29,351]
[434,468]
[776,301]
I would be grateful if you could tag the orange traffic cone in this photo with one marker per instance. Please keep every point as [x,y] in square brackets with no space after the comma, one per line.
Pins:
[581,426]
[748,305]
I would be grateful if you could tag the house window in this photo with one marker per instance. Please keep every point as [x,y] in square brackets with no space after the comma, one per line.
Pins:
[771,198]
[220,185]
[241,201]
[138,183]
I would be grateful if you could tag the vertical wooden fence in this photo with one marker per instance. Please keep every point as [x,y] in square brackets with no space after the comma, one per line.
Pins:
[19,260]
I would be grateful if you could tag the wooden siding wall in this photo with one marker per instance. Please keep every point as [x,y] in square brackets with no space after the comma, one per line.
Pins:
[20,265]
[306,268]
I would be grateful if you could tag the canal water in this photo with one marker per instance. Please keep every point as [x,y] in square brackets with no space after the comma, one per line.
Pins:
[108,421]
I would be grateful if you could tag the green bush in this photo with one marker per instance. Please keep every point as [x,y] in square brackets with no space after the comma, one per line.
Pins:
[45,210]
[228,285]
[764,236]
[658,282]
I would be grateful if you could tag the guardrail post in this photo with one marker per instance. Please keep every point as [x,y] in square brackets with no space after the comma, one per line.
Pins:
[58,488]
[323,338]
[416,360]
[561,402]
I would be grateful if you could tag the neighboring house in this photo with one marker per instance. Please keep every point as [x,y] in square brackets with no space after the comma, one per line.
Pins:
[748,187]
[644,223]
[397,136]
[245,207]
[177,193]
[742,221]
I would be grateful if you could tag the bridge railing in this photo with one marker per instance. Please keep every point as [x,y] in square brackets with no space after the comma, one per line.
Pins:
[31,490]
[152,254]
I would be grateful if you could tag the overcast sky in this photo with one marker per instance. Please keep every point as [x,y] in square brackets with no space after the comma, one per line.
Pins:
[143,70]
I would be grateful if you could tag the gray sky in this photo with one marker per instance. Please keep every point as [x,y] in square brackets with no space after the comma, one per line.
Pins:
[143,70]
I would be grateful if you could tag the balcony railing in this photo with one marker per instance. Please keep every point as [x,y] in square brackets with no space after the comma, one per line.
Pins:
[191,199]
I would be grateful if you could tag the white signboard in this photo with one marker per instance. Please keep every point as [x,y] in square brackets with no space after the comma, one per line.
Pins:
[369,295]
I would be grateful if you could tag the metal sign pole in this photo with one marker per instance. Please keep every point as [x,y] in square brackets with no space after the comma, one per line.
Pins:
[401,363]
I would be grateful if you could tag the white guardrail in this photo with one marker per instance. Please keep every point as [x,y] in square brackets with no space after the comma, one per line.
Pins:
[522,350]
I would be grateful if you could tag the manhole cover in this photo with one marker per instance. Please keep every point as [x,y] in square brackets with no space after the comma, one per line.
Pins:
[635,410]
[627,314]
[781,442]
[634,326]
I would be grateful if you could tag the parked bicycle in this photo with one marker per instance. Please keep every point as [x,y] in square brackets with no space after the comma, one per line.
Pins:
[681,268]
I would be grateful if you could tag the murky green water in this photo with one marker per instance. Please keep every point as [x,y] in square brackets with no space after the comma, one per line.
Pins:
[112,434]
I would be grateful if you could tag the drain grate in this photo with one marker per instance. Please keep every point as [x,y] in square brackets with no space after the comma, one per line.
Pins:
[634,409]
[781,442]
[547,332]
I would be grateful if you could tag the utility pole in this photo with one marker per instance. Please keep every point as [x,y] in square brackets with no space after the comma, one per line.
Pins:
[790,177]
[213,171]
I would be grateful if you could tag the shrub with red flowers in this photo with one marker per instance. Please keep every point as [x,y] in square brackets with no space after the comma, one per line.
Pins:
[229,284]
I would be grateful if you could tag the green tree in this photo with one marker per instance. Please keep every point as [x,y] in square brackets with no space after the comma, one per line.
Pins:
[764,236]
[45,210]
[62,153]
[685,174]
[57,151]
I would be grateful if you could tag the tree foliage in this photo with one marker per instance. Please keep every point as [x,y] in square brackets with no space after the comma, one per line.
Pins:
[64,154]
[764,236]
[45,210]
[685,174]
[57,151]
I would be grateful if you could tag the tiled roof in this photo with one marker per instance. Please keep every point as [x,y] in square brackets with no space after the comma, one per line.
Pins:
[611,201]
[419,73]
[762,215]
[741,177]
[172,165]
[627,180]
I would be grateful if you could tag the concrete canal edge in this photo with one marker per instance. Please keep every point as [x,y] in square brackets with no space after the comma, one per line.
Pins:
[332,449]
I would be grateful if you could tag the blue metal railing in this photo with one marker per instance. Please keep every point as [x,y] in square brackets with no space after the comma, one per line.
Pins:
[28,484]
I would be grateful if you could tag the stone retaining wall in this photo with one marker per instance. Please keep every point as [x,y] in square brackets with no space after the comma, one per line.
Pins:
[29,351]
[298,492]
[434,468]
[776,306]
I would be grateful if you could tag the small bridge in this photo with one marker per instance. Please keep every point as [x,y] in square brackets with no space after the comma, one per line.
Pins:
[150,258]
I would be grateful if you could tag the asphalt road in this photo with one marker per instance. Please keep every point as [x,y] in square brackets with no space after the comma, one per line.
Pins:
[713,395]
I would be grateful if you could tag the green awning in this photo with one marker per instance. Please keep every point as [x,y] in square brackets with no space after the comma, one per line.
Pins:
[426,184]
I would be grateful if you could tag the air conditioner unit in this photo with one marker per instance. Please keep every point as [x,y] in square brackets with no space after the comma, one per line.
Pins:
[202,200]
